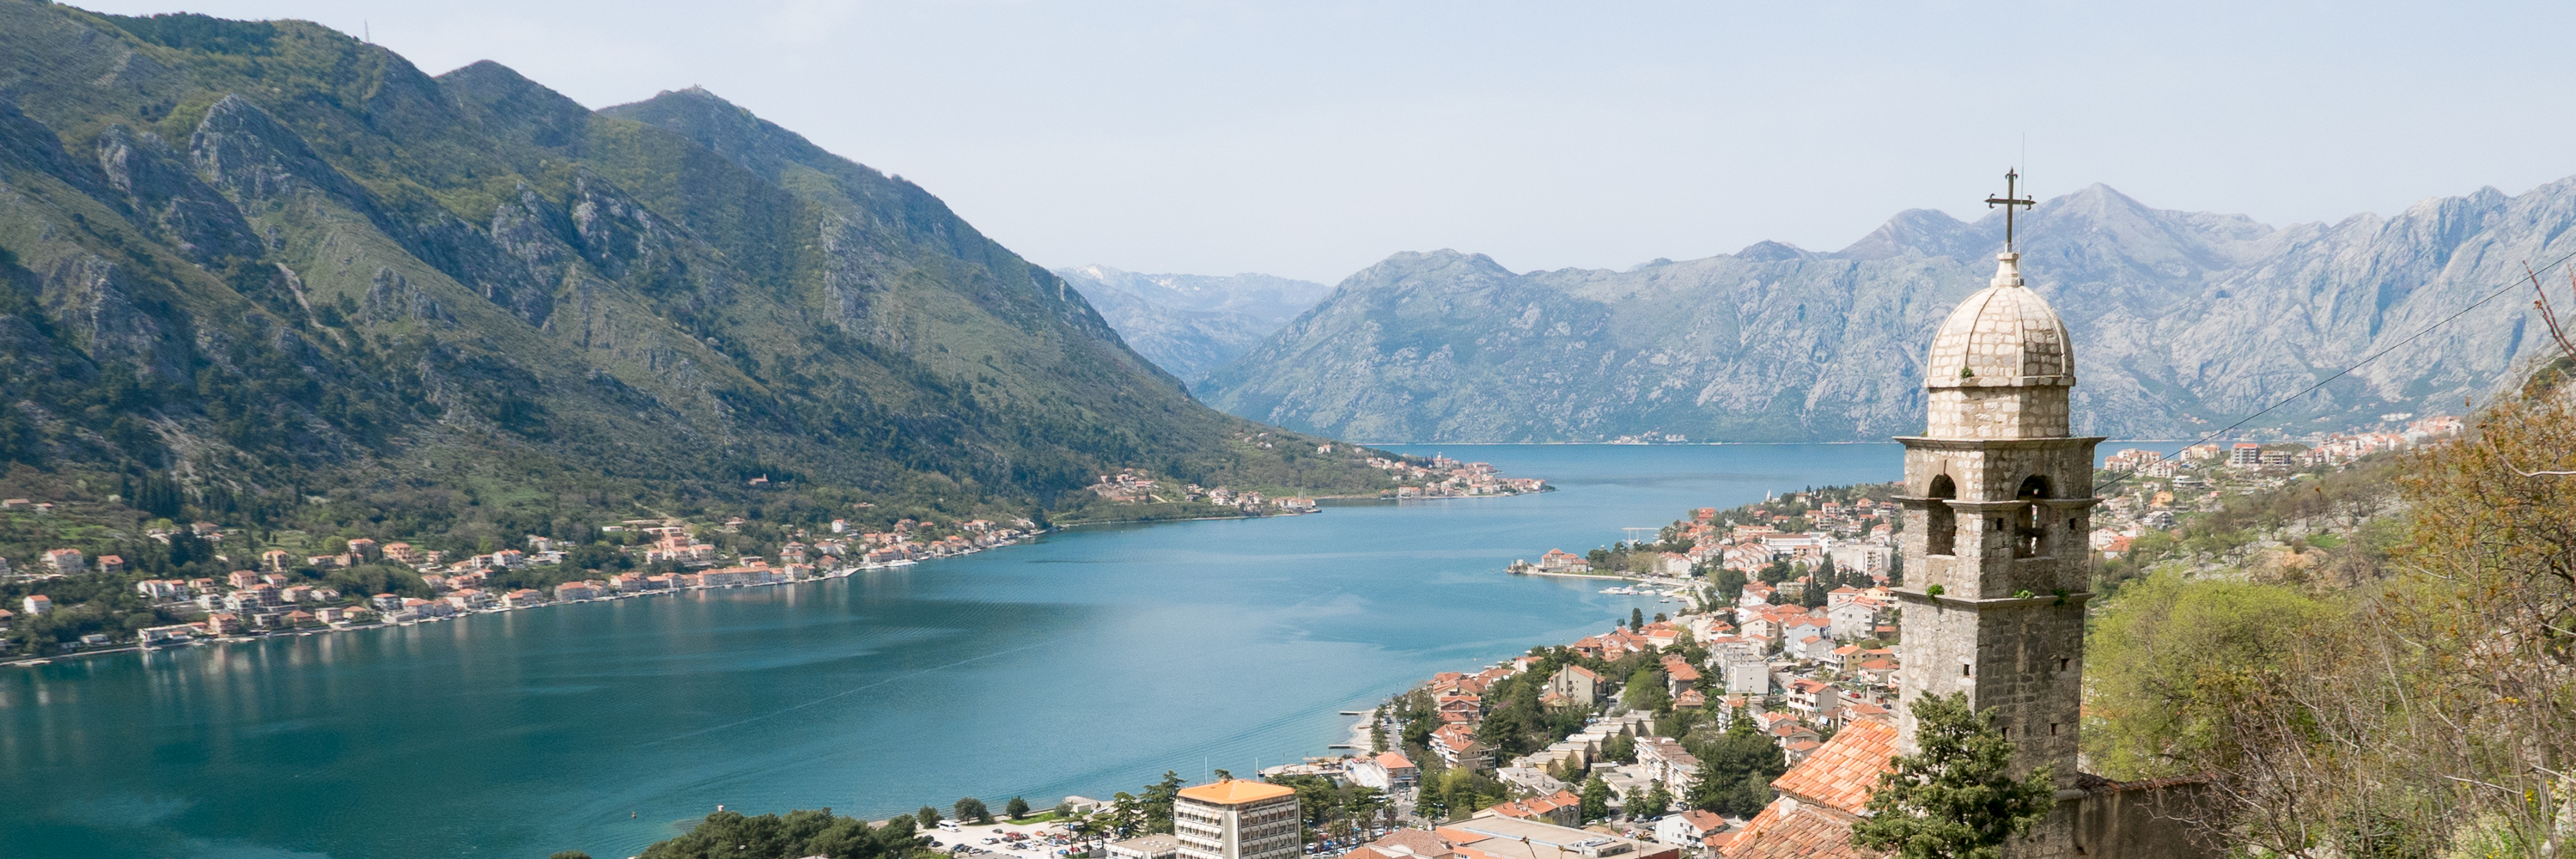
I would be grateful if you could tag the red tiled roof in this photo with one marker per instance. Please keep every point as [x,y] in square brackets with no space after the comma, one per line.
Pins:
[1842,773]
[1808,833]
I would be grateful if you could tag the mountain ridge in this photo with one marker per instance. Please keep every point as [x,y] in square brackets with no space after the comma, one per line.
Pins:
[2185,321]
[267,263]
[1190,324]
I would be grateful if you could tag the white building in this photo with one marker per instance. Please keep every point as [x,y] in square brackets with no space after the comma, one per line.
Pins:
[1237,819]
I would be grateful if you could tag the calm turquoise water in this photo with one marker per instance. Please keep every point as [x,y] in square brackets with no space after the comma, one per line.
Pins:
[1086,663]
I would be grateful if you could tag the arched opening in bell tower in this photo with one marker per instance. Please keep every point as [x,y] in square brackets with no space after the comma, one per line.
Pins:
[2028,533]
[1941,530]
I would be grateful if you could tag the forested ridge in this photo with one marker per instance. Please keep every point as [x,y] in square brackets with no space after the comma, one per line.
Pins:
[266,275]
[2379,663]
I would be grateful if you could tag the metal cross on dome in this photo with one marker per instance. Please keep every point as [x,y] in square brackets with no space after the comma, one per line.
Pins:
[2012,177]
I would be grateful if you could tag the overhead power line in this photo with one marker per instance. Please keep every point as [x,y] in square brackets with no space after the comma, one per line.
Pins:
[2374,356]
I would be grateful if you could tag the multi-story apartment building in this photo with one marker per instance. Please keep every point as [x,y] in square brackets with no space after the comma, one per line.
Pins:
[1237,819]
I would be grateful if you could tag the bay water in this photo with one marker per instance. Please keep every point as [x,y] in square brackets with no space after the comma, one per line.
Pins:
[1085,663]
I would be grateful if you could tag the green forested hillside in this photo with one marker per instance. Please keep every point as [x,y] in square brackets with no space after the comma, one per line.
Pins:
[264,274]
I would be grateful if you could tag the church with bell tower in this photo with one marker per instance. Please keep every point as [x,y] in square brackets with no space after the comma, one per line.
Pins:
[1997,505]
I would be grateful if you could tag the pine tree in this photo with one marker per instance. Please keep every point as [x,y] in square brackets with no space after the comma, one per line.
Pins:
[1596,799]
[1954,798]
[1653,804]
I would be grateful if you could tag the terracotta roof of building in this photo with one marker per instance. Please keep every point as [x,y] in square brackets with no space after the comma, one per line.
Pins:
[1843,771]
[1394,760]
[1806,833]
[1418,842]
[1236,792]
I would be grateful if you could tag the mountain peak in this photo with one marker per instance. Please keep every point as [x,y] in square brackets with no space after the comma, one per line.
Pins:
[1770,251]
[1924,232]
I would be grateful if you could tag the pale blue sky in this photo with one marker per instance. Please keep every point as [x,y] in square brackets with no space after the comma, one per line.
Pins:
[1312,139]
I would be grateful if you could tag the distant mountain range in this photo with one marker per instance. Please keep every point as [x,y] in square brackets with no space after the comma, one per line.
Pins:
[272,275]
[2184,322]
[1190,324]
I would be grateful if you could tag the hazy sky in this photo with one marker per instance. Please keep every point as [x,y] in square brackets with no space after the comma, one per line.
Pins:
[1311,139]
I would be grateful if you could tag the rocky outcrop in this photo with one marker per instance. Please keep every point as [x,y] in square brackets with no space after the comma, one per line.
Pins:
[2183,321]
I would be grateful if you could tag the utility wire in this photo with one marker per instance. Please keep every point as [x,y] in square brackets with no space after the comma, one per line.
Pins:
[2374,356]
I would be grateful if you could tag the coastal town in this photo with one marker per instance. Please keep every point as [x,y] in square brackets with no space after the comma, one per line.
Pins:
[1674,735]
[288,592]
[302,584]
[1437,477]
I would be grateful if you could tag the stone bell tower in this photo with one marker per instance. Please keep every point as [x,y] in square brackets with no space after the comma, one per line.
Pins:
[1997,503]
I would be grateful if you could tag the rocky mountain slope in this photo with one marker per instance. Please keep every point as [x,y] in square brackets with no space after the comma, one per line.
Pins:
[2184,322]
[1189,324]
[279,276]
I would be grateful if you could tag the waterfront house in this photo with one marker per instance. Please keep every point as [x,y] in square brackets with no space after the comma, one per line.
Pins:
[222,623]
[584,590]
[1562,561]
[522,598]
[152,635]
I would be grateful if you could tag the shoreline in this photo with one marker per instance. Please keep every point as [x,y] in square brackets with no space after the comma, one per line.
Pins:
[32,660]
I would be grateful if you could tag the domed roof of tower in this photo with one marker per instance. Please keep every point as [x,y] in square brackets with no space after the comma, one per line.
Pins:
[2003,336]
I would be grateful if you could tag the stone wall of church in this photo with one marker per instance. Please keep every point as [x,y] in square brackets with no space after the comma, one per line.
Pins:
[2022,657]
[1999,412]
[2139,822]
